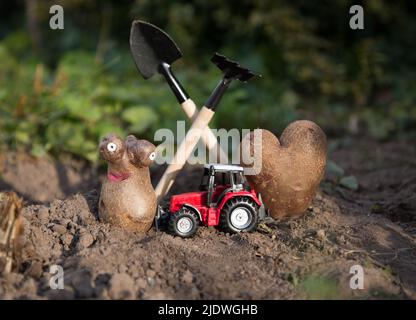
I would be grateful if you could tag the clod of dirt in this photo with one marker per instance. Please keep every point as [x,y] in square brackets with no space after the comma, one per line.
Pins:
[43,214]
[35,270]
[154,294]
[320,234]
[67,240]
[59,229]
[187,277]
[85,241]
[65,294]
[81,282]
[121,287]
[150,273]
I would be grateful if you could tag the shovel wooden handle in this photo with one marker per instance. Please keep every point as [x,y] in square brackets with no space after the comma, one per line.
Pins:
[208,138]
[190,109]
[184,151]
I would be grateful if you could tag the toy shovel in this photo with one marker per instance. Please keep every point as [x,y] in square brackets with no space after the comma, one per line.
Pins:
[153,52]
[232,71]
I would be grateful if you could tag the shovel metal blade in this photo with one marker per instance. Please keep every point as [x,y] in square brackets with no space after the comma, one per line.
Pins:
[150,47]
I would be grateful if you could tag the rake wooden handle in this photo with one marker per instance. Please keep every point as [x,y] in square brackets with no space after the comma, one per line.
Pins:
[184,151]
[208,137]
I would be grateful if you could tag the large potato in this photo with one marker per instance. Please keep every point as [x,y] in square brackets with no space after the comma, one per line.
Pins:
[291,169]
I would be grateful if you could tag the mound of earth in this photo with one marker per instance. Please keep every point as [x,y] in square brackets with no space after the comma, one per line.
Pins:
[308,257]
[41,180]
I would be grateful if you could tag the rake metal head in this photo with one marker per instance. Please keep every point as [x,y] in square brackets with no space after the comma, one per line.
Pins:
[232,69]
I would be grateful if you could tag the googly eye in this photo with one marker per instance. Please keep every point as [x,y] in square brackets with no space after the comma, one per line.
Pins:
[152,156]
[111,147]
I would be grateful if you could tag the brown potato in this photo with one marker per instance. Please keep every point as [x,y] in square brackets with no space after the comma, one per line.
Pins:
[127,196]
[291,169]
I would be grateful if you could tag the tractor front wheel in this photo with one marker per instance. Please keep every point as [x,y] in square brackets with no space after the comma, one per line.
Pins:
[183,223]
[239,214]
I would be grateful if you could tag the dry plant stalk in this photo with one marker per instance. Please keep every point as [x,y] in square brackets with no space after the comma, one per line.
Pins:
[11,227]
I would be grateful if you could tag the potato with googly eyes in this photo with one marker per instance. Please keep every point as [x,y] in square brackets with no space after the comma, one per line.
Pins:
[112,148]
[127,196]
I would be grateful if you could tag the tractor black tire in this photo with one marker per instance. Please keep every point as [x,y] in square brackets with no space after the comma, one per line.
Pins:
[183,223]
[244,205]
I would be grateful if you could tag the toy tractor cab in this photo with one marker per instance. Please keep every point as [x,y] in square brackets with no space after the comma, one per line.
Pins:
[225,199]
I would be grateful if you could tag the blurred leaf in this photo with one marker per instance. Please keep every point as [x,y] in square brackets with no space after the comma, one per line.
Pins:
[293,278]
[77,65]
[104,128]
[376,208]
[349,182]
[139,117]
[79,107]
[22,137]
[334,169]
[18,43]
[38,151]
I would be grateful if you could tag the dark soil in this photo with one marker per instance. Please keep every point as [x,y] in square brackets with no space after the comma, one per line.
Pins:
[310,257]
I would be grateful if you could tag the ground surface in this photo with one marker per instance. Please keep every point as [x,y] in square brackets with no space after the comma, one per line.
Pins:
[310,257]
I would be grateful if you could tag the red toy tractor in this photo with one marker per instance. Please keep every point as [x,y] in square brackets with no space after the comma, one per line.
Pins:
[225,199]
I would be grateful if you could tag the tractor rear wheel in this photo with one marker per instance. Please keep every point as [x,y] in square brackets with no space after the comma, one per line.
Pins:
[239,215]
[183,223]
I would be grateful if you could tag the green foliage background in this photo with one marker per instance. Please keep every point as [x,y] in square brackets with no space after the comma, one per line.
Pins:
[61,90]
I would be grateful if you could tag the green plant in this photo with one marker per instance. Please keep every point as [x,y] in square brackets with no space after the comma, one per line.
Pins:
[61,91]
[319,287]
